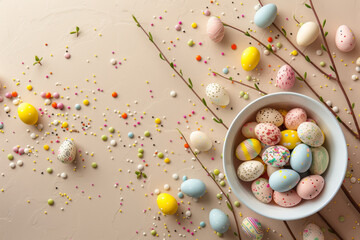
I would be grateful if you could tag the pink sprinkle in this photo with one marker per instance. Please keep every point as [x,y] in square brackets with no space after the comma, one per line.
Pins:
[222,54]
[212,158]
[113,52]
[205,61]
[242,15]
[193,112]
[152,24]
[200,43]
[160,17]
[178,122]
[180,22]
[47,76]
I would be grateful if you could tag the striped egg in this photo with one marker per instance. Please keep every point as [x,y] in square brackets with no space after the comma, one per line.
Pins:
[248,149]
[262,190]
[252,228]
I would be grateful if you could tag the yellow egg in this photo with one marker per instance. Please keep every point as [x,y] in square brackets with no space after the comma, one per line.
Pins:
[289,139]
[167,203]
[248,149]
[250,58]
[27,113]
[283,112]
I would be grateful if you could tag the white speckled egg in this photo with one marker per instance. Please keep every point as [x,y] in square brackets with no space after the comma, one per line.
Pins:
[313,232]
[217,94]
[310,134]
[320,160]
[301,158]
[193,187]
[248,130]
[67,151]
[266,15]
[269,115]
[262,190]
[286,199]
[268,133]
[284,180]
[219,221]
[248,149]
[345,39]
[276,156]
[252,228]
[294,118]
[250,170]
[285,78]
[289,139]
[200,141]
[307,34]
[310,187]
[215,29]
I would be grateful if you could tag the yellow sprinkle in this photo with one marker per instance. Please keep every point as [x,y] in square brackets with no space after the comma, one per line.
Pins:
[194,25]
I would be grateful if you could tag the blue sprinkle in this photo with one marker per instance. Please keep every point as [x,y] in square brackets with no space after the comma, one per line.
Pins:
[202,224]
[130,135]
[184,178]
[77,106]
[225,70]
[180,195]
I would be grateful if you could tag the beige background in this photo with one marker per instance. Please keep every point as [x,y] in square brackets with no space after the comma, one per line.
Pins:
[106,26]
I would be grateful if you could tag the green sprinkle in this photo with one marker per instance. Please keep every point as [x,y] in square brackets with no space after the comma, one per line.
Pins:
[140,150]
[111,129]
[222,183]
[153,232]
[279,45]
[160,155]
[190,43]
[341,219]
[147,134]
[246,96]
[322,64]
[218,195]
[10,156]
[50,201]
[248,77]
[216,172]
[140,155]
[242,93]
[237,204]
[104,137]
[49,170]
[219,234]
[94,165]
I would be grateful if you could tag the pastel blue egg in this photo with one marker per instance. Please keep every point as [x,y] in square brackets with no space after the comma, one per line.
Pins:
[301,158]
[194,188]
[284,180]
[265,16]
[219,221]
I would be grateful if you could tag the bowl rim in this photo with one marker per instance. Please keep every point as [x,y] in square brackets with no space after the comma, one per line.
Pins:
[227,143]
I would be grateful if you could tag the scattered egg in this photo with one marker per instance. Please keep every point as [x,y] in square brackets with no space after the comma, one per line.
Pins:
[307,34]
[219,221]
[345,39]
[193,187]
[200,141]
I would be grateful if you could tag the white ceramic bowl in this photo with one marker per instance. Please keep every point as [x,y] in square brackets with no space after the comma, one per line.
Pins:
[334,143]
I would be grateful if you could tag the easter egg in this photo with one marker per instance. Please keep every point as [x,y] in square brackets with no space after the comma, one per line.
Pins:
[268,133]
[270,169]
[167,203]
[217,94]
[219,221]
[250,58]
[320,160]
[307,34]
[283,112]
[284,180]
[310,187]
[301,158]
[248,130]
[310,134]
[248,149]
[250,170]
[285,78]
[67,151]
[215,29]
[313,232]
[276,156]
[252,228]
[194,188]
[286,199]
[294,118]
[27,113]
[200,141]
[345,39]
[265,16]
[269,115]
[262,190]
[289,139]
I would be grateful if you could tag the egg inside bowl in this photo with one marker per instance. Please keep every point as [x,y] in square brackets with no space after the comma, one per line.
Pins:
[334,143]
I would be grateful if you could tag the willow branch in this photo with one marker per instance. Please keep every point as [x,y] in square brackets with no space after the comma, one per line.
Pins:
[348,195]
[331,228]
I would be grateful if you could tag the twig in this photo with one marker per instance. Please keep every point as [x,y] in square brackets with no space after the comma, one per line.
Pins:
[300,77]
[331,228]
[298,50]
[238,82]
[225,194]
[353,202]
[335,70]
[189,83]
[289,229]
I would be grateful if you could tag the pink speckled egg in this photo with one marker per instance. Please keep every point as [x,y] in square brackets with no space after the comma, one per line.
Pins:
[294,118]
[313,232]
[310,187]
[269,115]
[286,199]
[345,39]
[285,78]
[215,29]
[248,130]
[262,190]
[268,133]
